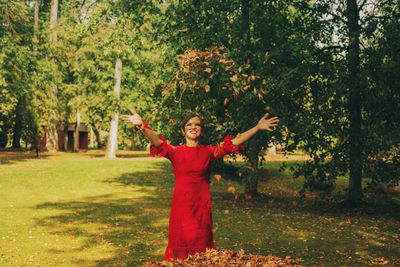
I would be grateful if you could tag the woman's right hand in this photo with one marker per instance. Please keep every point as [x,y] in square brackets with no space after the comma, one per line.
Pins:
[135,118]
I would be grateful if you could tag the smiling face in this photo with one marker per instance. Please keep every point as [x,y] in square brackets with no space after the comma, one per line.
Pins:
[192,129]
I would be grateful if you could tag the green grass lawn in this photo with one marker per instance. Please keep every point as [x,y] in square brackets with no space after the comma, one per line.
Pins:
[71,209]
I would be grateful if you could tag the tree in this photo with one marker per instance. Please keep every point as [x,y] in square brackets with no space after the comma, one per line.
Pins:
[112,144]
[332,118]
[381,63]
[16,66]
[52,135]
[255,35]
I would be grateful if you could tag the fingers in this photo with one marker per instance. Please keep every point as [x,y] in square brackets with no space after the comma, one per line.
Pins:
[272,120]
[133,111]
[126,117]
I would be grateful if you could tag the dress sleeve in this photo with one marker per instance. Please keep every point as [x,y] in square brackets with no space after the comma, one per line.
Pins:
[163,150]
[226,147]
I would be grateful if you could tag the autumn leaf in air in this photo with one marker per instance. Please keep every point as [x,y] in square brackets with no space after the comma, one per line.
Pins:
[234,78]
[217,176]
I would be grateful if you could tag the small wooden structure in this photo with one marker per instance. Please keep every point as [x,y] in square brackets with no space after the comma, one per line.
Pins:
[83,137]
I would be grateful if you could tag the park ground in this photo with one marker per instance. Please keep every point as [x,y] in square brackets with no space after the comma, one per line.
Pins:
[80,209]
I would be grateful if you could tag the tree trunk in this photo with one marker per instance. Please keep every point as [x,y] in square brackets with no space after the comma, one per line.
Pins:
[17,129]
[251,185]
[133,141]
[354,84]
[112,144]
[76,134]
[52,137]
[91,138]
[36,24]
[4,132]
[98,138]
[271,149]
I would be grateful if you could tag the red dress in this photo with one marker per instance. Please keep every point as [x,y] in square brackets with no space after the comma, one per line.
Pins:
[190,221]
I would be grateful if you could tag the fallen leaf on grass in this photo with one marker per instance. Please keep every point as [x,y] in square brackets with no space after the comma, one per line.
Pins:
[212,257]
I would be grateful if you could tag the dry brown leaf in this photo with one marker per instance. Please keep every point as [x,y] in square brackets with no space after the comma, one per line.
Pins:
[231,189]
[212,257]
[217,176]
[234,78]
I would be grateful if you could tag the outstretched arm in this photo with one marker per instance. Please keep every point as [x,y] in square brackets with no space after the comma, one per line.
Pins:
[263,124]
[137,121]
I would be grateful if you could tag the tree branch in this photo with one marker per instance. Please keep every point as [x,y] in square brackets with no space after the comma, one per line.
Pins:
[362,5]
[304,6]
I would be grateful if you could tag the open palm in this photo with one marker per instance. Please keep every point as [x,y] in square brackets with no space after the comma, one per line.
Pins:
[266,124]
[135,118]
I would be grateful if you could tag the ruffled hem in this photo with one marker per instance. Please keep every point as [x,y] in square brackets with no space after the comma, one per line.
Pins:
[161,150]
[171,253]
[229,147]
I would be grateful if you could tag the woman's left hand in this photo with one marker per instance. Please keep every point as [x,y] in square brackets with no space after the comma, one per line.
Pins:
[266,124]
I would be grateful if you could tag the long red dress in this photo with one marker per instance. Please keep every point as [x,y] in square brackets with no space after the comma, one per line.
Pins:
[190,221]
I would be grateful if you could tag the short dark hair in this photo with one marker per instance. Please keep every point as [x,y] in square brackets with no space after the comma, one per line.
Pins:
[188,117]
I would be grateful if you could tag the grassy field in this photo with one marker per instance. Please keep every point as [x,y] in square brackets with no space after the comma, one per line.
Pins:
[79,209]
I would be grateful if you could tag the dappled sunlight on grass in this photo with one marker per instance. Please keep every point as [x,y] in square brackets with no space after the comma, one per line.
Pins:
[117,225]
[79,209]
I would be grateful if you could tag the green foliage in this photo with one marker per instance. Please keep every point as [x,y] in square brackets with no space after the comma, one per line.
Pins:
[269,46]
[381,65]
[321,123]
[16,62]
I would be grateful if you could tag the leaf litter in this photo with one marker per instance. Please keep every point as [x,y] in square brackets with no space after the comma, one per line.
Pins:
[212,257]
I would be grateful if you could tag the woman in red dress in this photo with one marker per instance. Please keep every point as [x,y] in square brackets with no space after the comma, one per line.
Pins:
[190,221]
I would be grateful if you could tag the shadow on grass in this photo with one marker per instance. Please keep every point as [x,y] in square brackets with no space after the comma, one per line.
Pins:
[133,229]
[378,205]
[10,157]
[283,225]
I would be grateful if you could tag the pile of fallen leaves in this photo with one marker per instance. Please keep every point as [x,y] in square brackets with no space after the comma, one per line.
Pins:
[212,257]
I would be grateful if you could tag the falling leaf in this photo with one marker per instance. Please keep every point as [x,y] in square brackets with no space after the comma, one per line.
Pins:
[231,189]
[234,78]
[207,88]
[217,176]
[208,70]
[226,211]
[247,197]
[225,101]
